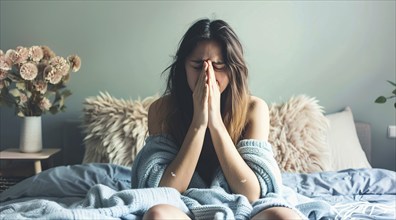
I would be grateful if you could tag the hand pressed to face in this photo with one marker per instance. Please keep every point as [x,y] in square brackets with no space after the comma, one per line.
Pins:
[214,97]
[200,99]
[194,64]
[207,78]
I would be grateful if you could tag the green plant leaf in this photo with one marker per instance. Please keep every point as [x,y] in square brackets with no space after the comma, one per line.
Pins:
[20,114]
[57,97]
[15,92]
[53,110]
[66,93]
[20,85]
[394,84]
[380,99]
[394,105]
[61,101]
[394,91]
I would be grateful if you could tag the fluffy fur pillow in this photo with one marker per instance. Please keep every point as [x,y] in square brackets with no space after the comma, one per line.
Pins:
[298,135]
[115,129]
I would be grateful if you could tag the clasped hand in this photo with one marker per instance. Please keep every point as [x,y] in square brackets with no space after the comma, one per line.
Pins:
[206,98]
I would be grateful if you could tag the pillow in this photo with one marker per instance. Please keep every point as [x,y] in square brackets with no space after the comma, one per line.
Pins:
[298,135]
[115,129]
[346,151]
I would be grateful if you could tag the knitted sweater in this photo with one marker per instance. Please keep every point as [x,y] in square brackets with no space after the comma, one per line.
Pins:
[217,200]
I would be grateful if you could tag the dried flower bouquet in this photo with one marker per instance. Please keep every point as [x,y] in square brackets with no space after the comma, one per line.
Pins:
[34,79]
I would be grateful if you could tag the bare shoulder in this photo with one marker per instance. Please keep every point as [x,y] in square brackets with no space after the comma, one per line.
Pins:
[157,114]
[258,105]
[257,119]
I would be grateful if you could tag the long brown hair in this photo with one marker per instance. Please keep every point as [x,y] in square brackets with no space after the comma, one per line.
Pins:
[234,99]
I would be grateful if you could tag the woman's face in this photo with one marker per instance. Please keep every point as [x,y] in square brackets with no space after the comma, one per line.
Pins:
[204,51]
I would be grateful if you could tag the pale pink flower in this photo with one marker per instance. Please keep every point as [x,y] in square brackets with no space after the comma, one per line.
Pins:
[3,74]
[75,62]
[45,104]
[23,54]
[1,53]
[5,64]
[19,55]
[48,53]
[12,55]
[53,76]
[60,65]
[28,71]
[36,53]
[56,78]
[40,86]
[22,98]
[65,69]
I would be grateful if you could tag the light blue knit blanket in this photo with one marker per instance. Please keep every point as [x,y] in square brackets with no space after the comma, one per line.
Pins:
[74,192]
[215,201]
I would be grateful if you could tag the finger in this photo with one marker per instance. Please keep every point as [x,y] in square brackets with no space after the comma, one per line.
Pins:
[202,78]
[205,69]
[202,93]
[206,64]
[210,72]
[202,87]
[212,76]
[206,94]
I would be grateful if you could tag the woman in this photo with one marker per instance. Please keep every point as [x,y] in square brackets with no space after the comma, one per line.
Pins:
[207,110]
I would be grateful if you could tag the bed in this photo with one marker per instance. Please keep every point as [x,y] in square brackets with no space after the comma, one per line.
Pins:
[312,149]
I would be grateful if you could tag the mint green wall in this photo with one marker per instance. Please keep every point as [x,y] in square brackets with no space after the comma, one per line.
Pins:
[340,52]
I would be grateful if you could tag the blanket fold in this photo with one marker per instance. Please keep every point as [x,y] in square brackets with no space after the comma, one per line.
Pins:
[160,150]
[101,202]
[217,199]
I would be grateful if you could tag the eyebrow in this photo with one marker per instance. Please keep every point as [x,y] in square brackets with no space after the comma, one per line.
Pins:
[201,61]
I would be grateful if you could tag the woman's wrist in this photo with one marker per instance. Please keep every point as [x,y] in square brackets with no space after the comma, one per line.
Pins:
[197,125]
[217,125]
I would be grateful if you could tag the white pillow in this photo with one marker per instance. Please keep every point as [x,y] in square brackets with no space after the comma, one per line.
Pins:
[345,148]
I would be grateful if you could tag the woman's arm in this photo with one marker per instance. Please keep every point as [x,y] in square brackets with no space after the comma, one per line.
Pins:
[239,175]
[179,172]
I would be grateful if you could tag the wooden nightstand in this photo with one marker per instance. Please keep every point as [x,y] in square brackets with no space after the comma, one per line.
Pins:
[14,154]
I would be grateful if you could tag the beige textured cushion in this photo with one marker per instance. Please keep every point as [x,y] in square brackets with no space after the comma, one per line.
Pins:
[298,135]
[346,151]
[115,129]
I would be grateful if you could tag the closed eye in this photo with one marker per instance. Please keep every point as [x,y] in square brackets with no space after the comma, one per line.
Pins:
[219,67]
[197,64]
[197,67]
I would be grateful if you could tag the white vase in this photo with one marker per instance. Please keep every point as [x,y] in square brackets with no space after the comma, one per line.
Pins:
[31,137]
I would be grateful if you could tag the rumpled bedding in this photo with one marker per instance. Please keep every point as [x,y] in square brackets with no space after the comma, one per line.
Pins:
[103,191]
[352,193]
